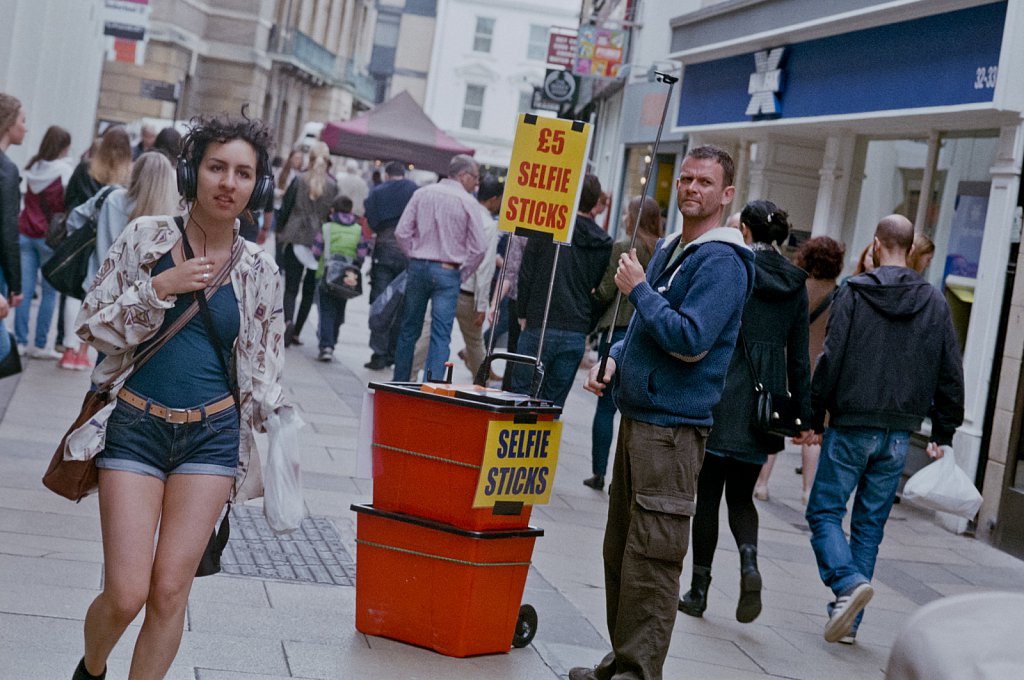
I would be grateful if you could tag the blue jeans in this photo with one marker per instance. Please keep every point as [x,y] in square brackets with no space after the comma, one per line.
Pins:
[563,351]
[437,284]
[139,442]
[34,252]
[603,427]
[866,459]
[5,341]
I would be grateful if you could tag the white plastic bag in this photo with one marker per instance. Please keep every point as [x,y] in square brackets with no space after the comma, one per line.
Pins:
[943,486]
[282,502]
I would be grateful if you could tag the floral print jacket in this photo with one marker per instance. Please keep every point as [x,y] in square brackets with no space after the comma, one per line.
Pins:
[122,310]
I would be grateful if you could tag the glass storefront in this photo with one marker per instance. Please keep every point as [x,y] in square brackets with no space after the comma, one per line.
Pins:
[637,160]
[894,172]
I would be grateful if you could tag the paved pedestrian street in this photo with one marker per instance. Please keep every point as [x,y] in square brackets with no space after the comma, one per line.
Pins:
[285,607]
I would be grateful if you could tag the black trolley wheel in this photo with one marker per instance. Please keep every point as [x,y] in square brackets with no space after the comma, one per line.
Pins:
[526,626]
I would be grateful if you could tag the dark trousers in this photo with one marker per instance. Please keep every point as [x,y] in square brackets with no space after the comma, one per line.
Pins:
[293,280]
[386,266]
[603,426]
[332,315]
[651,500]
[737,479]
[513,343]
[61,301]
[563,351]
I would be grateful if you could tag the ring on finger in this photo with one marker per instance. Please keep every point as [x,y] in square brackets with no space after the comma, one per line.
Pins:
[206,276]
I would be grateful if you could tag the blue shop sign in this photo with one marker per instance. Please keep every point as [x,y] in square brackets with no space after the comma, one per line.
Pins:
[941,60]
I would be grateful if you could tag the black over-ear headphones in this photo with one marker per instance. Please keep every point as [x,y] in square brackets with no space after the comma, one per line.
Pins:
[188,176]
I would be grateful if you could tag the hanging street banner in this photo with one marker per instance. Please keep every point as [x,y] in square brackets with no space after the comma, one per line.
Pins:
[561,86]
[159,90]
[125,24]
[562,47]
[542,190]
[599,52]
[540,102]
[519,463]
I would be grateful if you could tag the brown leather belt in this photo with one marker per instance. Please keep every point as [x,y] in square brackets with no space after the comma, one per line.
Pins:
[176,416]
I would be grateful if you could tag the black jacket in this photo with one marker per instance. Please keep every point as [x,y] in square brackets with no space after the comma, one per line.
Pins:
[386,202]
[10,207]
[580,268]
[775,331]
[81,187]
[891,357]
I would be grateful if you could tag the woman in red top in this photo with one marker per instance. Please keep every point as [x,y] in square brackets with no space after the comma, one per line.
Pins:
[46,175]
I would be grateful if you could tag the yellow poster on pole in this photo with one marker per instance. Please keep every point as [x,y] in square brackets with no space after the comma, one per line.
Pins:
[545,174]
[519,463]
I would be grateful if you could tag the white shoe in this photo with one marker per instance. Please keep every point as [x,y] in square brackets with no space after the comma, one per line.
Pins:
[845,611]
[45,353]
[23,350]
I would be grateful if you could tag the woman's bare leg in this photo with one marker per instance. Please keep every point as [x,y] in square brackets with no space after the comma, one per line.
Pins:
[191,506]
[809,456]
[761,487]
[129,511]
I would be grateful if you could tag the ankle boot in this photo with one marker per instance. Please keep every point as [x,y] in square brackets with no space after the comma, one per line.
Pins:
[695,601]
[82,674]
[749,606]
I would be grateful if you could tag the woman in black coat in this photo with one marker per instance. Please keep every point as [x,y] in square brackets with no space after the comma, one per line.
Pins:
[774,332]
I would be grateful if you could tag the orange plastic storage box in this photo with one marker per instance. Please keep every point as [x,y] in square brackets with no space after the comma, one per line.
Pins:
[429,584]
[428,447]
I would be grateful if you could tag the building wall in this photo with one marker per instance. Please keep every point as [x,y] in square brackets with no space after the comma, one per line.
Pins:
[1006,414]
[119,88]
[230,53]
[33,67]
[505,71]
[403,41]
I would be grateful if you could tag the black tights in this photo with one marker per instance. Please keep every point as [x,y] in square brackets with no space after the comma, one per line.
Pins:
[737,478]
[293,279]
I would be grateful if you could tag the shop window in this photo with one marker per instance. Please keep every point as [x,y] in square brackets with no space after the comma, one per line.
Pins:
[483,35]
[954,217]
[473,108]
[637,161]
[537,49]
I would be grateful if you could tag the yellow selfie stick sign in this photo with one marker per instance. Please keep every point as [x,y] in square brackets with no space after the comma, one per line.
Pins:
[519,463]
[545,174]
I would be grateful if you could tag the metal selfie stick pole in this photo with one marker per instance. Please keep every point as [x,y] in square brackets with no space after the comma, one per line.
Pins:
[669,80]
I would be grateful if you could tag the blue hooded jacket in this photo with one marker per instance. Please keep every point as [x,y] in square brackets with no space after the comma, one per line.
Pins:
[671,365]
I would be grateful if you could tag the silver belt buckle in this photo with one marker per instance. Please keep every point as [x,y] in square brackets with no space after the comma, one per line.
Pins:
[177,416]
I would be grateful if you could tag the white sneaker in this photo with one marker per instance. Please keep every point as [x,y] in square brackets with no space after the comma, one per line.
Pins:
[44,353]
[845,611]
[23,350]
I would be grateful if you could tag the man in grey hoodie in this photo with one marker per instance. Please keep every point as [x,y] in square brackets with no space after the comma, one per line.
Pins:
[890,358]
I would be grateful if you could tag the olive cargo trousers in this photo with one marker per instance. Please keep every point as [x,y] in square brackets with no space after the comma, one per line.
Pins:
[652,498]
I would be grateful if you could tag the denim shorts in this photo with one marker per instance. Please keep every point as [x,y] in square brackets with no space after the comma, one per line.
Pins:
[142,443]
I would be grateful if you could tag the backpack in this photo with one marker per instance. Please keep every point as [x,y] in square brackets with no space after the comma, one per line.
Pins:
[342,280]
[68,266]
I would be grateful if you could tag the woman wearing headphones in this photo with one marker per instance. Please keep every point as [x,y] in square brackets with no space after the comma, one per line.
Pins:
[179,436]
